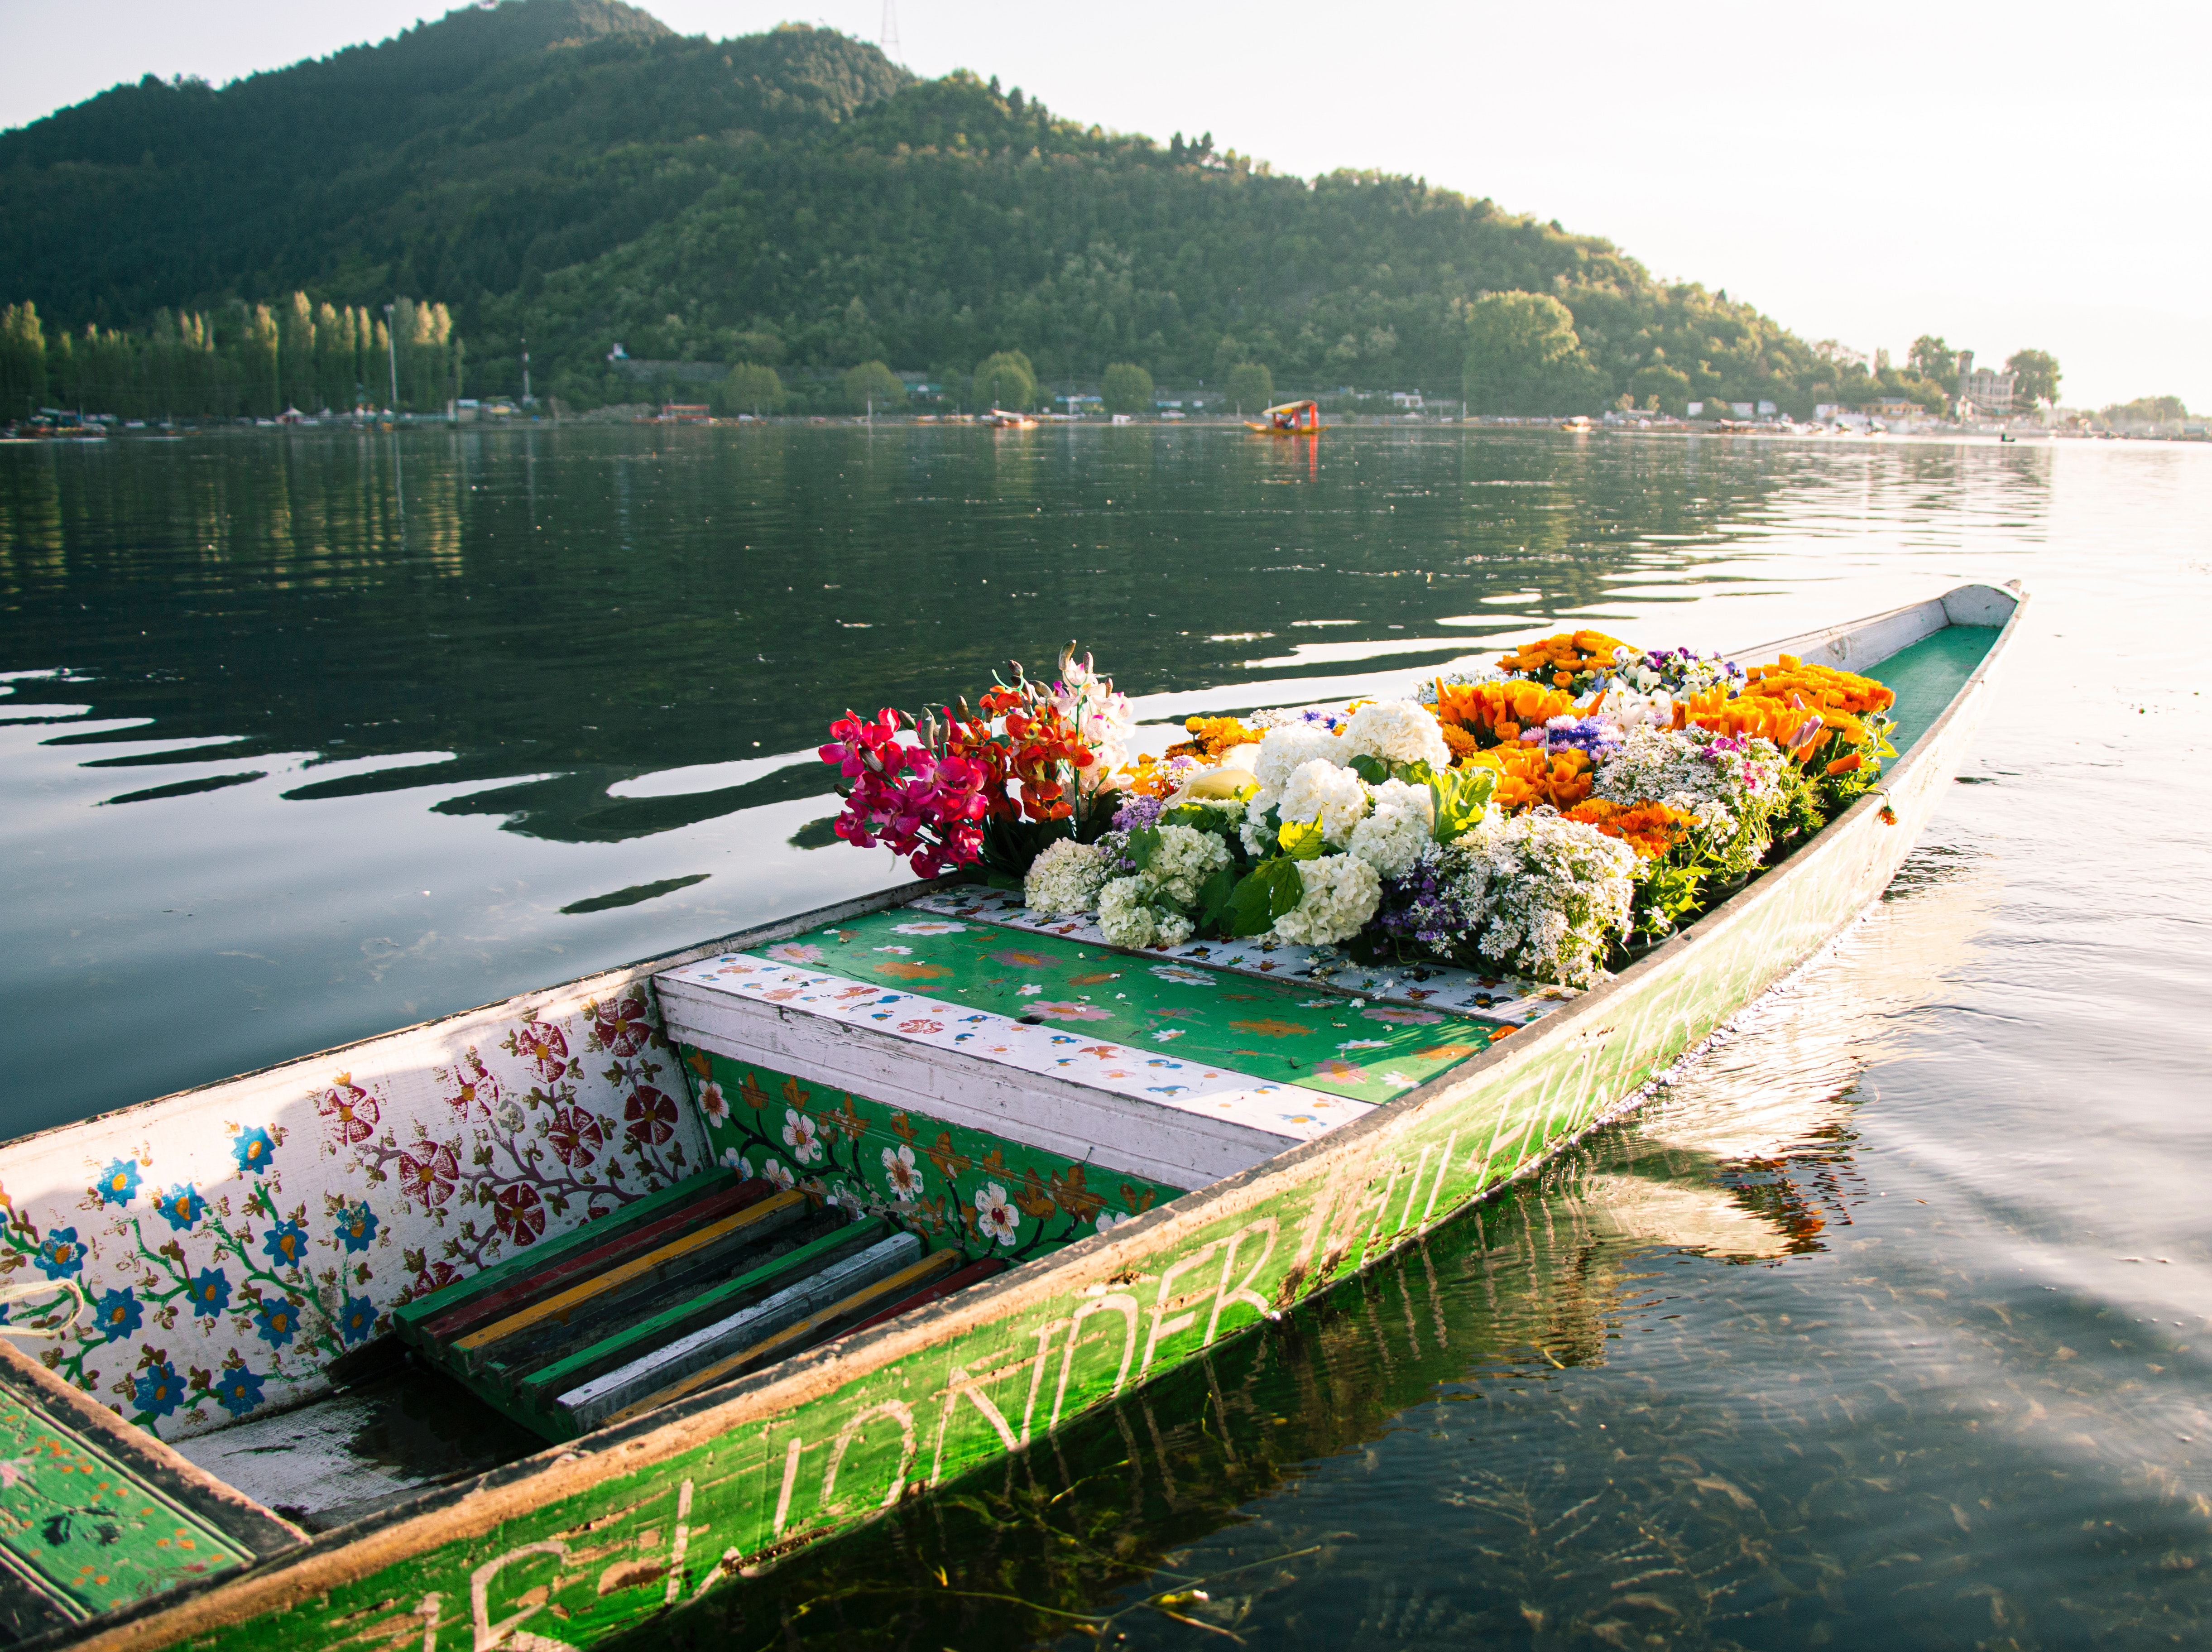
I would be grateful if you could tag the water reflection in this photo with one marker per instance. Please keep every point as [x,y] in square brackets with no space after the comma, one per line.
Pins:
[356,728]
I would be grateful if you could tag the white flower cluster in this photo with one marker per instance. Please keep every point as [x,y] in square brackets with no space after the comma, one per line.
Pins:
[1550,893]
[1397,732]
[1396,829]
[1101,715]
[1342,892]
[1066,878]
[1679,768]
[1153,907]
[1319,791]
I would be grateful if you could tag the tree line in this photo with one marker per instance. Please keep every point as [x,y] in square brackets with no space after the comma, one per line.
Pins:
[254,360]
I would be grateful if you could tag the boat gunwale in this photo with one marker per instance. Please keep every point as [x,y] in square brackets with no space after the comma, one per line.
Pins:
[443,1515]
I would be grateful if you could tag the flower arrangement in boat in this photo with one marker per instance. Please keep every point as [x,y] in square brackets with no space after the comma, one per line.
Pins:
[1549,819]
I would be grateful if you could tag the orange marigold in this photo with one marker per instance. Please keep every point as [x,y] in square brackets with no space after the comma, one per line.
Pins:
[1494,714]
[1650,829]
[1560,658]
[1529,775]
[1820,686]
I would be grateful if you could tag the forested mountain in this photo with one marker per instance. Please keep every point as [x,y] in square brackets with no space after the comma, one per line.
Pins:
[573,171]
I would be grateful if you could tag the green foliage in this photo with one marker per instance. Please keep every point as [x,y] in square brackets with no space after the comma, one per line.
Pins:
[22,362]
[1933,359]
[1266,893]
[2035,374]
[570,171]
[748,387]
[2146,410]
[1523,356]
[871,387]
[1251,387]
[1666,893]
[1660,386]
[1006,381]
[1461,796]
[1125,388]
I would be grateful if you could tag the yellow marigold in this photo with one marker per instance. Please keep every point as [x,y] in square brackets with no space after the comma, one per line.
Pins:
[1148,777]
[1818,686]
[1566,655]
[1496,713]
[1650,829]
[1459,742]
[1211,736]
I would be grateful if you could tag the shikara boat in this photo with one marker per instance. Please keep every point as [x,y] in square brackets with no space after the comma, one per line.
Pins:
[1290,419]
[520,1327]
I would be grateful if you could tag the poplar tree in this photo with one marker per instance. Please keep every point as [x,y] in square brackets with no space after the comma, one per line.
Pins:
[22,362]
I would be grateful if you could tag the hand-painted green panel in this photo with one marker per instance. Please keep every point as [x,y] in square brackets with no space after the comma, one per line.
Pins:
[1370,1052]
[81,1532]
[954,1186]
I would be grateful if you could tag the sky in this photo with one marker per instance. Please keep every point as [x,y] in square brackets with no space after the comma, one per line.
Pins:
[2005,178]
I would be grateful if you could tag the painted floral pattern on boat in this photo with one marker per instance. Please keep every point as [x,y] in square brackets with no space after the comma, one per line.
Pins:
[193,1266]
[952,1185]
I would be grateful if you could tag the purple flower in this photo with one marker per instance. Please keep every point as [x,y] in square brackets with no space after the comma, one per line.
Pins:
[1138,812]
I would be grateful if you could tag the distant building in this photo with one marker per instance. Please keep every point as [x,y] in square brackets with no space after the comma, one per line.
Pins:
[1407,400]
[1989,393]
[1741,409]
[1767,410]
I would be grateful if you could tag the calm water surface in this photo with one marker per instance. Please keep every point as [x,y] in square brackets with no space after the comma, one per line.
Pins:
[1888,1327]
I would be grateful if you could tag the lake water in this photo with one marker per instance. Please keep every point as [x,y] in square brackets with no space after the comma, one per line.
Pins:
[1888,1327]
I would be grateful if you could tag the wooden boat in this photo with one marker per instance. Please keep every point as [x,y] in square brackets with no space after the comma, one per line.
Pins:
[530,1323]
[1289,419]
[1000,419]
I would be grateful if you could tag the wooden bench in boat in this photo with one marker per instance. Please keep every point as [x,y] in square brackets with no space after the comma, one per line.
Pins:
[700,1282]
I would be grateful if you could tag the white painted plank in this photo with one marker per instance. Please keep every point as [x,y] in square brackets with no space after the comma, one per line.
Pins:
[649,1373]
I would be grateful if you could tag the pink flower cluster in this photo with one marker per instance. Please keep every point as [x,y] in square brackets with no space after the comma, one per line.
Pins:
[927,806]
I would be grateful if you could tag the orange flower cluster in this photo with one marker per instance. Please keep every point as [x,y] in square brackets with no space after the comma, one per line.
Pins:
[1561,659]
[1650,829]
[1494,714]
[1457,741]
[1211,736]
[1529,775]
[1796,728]
[1042,740]
[1820,686]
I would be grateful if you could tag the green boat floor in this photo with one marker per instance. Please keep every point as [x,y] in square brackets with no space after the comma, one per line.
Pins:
[1925,676]
[1280,1033]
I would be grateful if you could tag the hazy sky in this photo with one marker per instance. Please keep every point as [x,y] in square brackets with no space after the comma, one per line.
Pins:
[2003,176]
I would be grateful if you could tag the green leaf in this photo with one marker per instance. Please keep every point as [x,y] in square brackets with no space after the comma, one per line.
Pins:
[1373,770]
[1462,797]
[1143,844]
[1416,773]
[1302,840]
[1271,888]
[1213,896]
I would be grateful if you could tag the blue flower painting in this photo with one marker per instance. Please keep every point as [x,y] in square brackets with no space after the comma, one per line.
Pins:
[237,1390]
[287,1244]
[60,1256]
[278,1322]
[159,1389]
[210,1293]
[119,1313]
[254,1149]
[183,1205]
[357,1226]
[118,1183]
[358,1320]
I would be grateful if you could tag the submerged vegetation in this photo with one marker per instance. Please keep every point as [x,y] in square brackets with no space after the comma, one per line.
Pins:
[571,172]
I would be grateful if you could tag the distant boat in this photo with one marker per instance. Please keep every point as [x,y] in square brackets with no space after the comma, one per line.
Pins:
[999,419]
[1290,419]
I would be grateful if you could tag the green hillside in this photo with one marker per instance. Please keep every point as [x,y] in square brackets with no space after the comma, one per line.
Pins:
[572,170]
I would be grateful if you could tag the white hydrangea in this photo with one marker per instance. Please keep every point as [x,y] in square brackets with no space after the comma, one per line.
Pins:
[1341,894]
[1319,791]
[1125,917]
[1185,860]
[1283,750]
[1066,878]
[1397,827]
[1397,732]
[1551,893]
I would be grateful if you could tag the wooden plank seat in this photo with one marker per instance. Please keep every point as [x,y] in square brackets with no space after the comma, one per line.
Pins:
[693,1286]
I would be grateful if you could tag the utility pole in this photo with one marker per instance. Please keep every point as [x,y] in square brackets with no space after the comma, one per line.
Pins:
[392,346]
[891,38]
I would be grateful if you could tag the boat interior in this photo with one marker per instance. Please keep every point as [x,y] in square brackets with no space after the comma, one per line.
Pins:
[339,1283]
